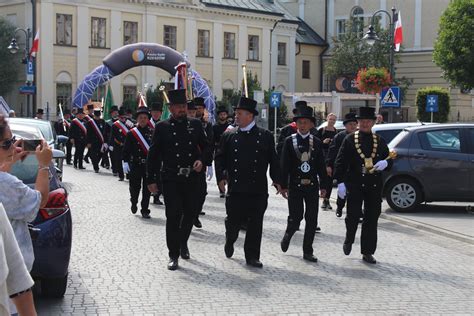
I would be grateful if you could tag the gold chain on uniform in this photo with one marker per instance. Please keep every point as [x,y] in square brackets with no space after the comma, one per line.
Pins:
[359,151]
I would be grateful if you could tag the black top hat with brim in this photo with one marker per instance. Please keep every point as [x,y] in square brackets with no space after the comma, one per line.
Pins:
[39,111]
[349,117]
[366,112]
[113,108]
[97,112]
[248,105]
[199,102]
[142,110]
[305,112]
[177,96]
[191,105]
[156,106]
[221,109]
[300,104]
[121,112]
[80,111]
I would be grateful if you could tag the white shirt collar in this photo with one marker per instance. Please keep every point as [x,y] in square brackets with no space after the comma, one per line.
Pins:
[303,136]
[248,127]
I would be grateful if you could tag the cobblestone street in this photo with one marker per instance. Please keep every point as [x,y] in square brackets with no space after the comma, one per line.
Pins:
[118,264]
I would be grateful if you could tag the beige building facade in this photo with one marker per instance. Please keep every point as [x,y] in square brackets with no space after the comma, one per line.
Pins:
[76,35]
[420,19]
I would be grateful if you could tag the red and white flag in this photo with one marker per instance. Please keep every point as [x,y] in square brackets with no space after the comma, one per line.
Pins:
[35,48]
[398,33]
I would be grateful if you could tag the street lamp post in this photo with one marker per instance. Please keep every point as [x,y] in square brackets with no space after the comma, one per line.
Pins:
[14,48]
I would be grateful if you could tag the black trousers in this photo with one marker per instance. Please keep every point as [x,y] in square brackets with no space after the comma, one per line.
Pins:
[68,151]
[180,208]
[95,155]
[250,208]
[202,192]
[79,154]
[137,178]
[297,200]
[340,203]
[116,156]
[105,159]
[372,198]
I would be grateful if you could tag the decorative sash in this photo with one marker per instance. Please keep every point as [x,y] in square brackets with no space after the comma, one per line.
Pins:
[80,125]
[151,123]
[140,139]
[123,129]
[97,131]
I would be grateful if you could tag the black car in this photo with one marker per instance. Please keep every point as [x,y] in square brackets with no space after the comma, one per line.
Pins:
[434,163]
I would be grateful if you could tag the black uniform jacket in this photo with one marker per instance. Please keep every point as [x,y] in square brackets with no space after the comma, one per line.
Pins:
[133,152]
[92,137]
[291,172]
[116,138]
[243,159]
[176,144]
[286,131]
[210,140]
[218,129]
[334,147]
[349,165]
[77,133]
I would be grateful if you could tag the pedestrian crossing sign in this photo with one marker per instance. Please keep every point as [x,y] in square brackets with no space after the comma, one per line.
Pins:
[390,97]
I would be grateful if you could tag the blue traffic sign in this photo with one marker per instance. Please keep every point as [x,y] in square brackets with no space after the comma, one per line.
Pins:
[275,99]
[27,89]
[431,103]
[390,97]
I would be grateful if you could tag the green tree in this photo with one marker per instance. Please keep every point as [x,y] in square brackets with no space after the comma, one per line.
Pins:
[442,115]
[454,47]
[9,66]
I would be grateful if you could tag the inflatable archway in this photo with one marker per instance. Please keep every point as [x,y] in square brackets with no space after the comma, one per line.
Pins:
[135,55]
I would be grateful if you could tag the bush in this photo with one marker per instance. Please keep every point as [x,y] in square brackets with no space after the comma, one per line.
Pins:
[443,104]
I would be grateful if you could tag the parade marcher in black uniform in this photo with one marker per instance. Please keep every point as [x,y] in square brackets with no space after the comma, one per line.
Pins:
[87,118]
[106,162]
[207,172]
[289,129]
[78,137]
[179,149]
[118,133]
[218,129]
[39,114]
[302,161]
[361,158]
[156,110]
[135,151]
[62,127]
[96,142]
[350,123]
[243,156]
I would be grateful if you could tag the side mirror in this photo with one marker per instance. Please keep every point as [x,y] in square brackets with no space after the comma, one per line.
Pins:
[58,154]
[62,139]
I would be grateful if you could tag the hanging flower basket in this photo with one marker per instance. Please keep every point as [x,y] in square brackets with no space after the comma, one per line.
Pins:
[373,80]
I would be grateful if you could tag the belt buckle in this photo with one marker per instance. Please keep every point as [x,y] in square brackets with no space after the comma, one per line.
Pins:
[143,161]
[184,172]
[305,181]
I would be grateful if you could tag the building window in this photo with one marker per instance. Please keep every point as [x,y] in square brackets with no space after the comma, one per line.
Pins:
[306,69]
[358,21]
[281,53]
[203,43]
[229,45]
[169,36]
[129,93]
[98,27]
[341,29]
[63,95]
[130,32]
[253,47]
[63,29]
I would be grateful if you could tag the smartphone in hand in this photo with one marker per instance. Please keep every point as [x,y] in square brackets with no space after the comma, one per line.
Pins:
[30,144]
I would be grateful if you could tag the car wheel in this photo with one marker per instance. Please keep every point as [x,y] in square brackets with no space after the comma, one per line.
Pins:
[403,195]
[54,288]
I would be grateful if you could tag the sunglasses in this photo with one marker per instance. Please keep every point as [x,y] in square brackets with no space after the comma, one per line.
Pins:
[8,143]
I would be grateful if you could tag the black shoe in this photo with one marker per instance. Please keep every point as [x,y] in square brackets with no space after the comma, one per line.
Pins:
[310,257]
[121,179]
[369,259]
[339,212]
[86,160]
[202,213]
[96,170]
[173,264]
[115,174]
[318,229]
[329,207]
[185,252]
[134,209]
[347,248]
[254,263]
[145,214]
[75,166]
[222,195]
[197,223]
[229,249]
[156,200]
[285,242]
[68,163]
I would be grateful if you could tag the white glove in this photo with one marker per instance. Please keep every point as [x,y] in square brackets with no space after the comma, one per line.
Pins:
[381,165]
[341,190]
[126,167]
[210,173]
[111,148]
[129,124]
[104,147]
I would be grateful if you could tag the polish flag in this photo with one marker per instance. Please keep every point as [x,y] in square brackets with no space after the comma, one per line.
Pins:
[35,47]
[398,33]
